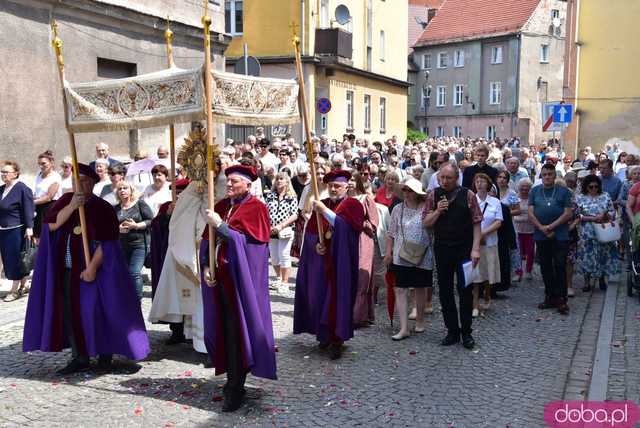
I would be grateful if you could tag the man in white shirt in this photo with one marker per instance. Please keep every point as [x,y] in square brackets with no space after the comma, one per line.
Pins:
[268,159]
[433,181]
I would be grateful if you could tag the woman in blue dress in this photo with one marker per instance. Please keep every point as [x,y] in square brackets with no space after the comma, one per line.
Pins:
[595,259]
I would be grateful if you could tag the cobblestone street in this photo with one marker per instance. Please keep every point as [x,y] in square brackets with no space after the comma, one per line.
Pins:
[523,360]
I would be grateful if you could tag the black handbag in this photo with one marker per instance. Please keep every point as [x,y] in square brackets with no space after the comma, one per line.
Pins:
[28,257]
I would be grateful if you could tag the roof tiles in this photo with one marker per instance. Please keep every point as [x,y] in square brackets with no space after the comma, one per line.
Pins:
[470,19]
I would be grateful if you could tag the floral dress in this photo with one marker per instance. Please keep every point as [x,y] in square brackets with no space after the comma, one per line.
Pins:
[595,258]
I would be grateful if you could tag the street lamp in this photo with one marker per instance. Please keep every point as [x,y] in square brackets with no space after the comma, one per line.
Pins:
[426,88]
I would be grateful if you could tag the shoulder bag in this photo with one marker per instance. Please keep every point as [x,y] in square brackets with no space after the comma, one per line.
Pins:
[411,252]
[608,232]
[28,257]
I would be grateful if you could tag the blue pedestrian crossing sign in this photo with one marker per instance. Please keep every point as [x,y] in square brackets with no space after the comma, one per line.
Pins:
[323,105]
[563,113]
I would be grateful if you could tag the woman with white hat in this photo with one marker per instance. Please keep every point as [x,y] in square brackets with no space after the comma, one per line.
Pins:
[409,253]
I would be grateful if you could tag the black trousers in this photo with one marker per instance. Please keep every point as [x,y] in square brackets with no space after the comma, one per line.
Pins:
[236,373]
[449,263]
[553,265]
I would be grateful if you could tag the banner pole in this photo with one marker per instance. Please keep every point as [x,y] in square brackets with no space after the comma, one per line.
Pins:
[305,121]
[168,35]
[206,21]
[57,47]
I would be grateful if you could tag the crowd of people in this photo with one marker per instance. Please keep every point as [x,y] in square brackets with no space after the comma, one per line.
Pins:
[408,215]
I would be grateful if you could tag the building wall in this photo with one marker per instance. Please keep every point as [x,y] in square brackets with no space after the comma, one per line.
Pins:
[608,91]
[541,82]
[274,18]
[413,108]
[474,125]
[476,76]
[32,121]
[336,88]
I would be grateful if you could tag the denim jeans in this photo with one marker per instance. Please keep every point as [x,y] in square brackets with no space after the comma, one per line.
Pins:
[135,260]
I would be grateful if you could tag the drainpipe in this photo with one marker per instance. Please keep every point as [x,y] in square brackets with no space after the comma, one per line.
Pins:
[577,92]
[518,77]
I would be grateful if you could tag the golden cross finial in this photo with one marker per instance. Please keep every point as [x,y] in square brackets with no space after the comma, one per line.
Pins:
[57,43]
[54,28]
[205,7]
[168,34]
[294,33]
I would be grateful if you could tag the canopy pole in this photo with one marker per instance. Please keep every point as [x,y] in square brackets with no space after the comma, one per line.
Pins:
[168,35]
[206,21]
[305,119]
[57,47]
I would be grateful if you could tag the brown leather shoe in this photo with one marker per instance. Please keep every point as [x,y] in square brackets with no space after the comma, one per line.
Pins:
[563,309]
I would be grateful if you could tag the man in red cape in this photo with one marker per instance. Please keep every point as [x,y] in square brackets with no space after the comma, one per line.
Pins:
[327,279]
[238,331]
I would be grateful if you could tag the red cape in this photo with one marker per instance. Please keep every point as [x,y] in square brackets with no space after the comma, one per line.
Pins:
[349,209]
[249,217]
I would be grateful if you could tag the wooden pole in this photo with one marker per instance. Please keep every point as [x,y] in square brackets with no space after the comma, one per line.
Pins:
[168,35]
[206,21]
[305,120]
[57,47]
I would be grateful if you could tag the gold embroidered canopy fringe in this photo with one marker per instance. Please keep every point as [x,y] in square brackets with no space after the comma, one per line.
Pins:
[177,96]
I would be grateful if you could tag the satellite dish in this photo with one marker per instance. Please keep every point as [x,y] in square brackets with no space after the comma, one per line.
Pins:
[252,63]
[342,14]
[556,22]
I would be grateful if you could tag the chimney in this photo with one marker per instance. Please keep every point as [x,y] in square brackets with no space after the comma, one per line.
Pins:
[431,13]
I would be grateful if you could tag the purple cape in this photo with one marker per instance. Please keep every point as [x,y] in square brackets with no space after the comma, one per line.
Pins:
[318,306]
[245,270]
[108,309]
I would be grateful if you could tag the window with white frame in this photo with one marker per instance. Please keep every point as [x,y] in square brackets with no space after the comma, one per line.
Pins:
[367,112]
[457,131]
[555,13]
[544,53]
[426,61]
[458,92]
[233,17]
[495,93]
[491,132]
[383,115]
[496,55]
[443,60]
[382,45]
[349,109]
[440,131]
[458,58]
[425,98]
[441,96]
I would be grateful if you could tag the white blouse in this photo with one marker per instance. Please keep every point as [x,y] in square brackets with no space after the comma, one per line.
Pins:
[43,184]
[491,211]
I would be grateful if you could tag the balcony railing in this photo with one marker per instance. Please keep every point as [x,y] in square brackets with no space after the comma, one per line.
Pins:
[334,42]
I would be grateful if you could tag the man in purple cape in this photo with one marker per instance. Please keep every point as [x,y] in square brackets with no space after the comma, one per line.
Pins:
[92,309]
[238,332]
[327,279]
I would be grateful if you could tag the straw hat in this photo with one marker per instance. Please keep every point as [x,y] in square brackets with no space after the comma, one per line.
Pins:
[414,185]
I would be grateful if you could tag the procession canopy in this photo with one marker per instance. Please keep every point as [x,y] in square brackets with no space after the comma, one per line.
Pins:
[177,96]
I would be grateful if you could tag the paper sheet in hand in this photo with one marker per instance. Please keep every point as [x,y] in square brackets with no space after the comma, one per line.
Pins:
[467,268]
